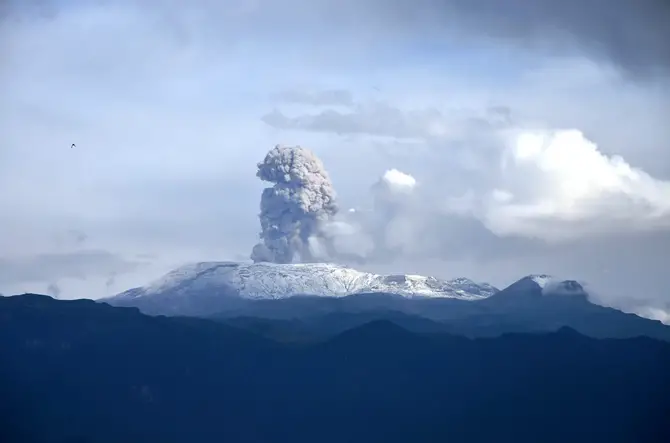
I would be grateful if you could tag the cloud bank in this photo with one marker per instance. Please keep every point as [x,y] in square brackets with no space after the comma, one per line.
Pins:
[553,185]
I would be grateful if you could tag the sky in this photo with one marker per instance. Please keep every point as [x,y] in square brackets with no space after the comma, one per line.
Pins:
[535,135]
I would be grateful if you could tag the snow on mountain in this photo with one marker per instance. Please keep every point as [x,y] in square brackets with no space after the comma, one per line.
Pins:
[273,281]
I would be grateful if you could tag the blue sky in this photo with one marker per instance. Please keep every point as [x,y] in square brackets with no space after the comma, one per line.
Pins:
[168,105]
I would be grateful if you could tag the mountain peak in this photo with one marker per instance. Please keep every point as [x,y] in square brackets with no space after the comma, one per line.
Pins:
[551,285]
[538,285]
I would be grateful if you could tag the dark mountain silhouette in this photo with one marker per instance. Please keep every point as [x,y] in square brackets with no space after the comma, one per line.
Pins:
[521,307]
[320,327]
[87,372]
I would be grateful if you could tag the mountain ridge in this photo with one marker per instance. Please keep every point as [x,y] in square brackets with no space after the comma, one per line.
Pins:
[175,380]
[190,288]
[187,290]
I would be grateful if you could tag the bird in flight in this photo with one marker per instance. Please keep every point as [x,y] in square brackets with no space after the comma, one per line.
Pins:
[73,146]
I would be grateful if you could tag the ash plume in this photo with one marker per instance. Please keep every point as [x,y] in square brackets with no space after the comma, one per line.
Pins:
[295,210]
[54,290]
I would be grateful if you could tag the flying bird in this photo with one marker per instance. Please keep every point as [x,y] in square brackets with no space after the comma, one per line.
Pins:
[73,146]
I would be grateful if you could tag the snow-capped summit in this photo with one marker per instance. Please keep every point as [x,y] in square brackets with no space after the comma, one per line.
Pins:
[272,281]
[470,287]
[221,282]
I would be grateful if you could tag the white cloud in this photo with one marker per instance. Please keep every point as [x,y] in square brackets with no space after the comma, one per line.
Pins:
[557,185]
[655,314]
[398,181]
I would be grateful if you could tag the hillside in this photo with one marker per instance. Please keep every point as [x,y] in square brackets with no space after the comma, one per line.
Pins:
[524,306]
[88,372]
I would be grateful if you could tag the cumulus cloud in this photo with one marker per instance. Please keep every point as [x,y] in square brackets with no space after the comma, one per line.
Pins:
[557,185]
[393,187]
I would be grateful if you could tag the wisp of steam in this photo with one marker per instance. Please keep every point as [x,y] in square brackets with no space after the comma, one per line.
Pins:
[295,210]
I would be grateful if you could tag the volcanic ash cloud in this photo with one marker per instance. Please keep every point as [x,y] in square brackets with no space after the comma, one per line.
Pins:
[295,210]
